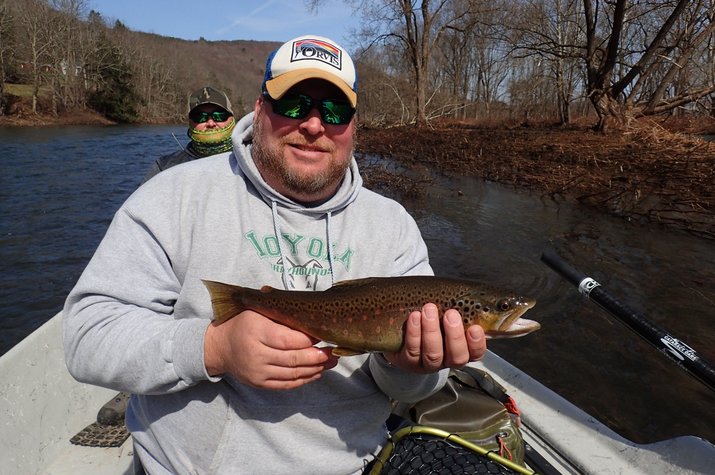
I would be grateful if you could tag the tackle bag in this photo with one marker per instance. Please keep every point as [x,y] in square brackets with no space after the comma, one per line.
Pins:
[471,420]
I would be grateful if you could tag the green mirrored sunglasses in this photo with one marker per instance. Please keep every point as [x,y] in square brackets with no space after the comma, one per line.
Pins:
[298,106]
[200,116]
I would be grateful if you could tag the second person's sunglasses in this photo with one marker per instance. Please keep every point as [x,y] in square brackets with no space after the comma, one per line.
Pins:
[200,116]
[298,106]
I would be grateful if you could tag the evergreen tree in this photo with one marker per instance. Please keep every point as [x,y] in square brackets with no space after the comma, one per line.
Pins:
[115,96]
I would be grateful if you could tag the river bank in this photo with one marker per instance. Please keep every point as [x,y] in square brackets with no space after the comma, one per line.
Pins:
[28,119]
[651,175]
[660,173]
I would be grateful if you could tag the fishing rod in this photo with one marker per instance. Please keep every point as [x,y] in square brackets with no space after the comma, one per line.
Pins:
[177,141]
[686,357]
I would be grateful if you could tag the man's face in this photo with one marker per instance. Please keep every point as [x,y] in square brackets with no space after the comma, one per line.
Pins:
[210,122]
[304,159]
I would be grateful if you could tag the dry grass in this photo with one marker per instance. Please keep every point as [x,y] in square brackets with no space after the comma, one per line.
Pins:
[647,174]
[25,90]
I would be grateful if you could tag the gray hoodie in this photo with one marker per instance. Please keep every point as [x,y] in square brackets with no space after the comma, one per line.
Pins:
[136,319]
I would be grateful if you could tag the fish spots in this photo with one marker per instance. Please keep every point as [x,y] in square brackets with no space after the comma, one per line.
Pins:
[369,314]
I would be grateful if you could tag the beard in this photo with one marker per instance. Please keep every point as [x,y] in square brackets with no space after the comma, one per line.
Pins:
[268,156]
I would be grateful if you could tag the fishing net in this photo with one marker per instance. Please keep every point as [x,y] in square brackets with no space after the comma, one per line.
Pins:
[419,450]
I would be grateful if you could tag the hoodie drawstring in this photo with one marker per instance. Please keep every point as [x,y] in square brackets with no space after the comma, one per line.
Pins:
[328,215]
[277,230]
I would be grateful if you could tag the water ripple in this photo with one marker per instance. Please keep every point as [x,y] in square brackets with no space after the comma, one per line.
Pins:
[59,187]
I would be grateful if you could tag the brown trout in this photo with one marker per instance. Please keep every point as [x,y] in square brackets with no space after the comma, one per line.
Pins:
[369,314]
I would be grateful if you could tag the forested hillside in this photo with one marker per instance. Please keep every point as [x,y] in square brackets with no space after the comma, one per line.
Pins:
[56,59]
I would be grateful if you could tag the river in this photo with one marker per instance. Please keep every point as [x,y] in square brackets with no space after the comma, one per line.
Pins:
[59,187]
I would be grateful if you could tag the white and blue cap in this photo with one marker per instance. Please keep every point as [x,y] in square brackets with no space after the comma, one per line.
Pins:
[310,57]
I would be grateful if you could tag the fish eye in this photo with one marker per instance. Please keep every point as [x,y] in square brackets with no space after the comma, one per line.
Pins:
[503,305]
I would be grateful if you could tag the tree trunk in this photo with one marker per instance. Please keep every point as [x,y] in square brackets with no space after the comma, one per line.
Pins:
[612,115]
[421,118]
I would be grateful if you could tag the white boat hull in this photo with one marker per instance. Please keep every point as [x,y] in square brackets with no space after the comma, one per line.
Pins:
[42,407]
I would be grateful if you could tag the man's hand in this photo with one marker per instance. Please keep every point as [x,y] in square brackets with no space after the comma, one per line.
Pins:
[262,353]
[425,350]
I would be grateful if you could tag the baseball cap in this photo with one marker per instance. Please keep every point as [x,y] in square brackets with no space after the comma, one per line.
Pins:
[209,95]
[310,57]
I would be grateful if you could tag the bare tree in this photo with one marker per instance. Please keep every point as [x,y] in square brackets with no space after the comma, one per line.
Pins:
[708,62]
[6,48]
[618,74]
[549,32]
[416,27]
[419,35]
[476,70]
[473,60]
[637,57]
[71,48]
[35,19]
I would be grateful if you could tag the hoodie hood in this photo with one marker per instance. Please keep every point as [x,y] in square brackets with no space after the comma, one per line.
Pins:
[346,193]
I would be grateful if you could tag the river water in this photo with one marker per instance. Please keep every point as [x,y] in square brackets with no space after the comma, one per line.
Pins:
[59,187]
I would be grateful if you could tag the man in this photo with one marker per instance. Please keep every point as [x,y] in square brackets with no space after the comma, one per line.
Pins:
[211,122]
[286,209]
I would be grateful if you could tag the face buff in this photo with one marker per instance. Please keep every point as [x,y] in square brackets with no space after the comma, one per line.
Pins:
[211,141]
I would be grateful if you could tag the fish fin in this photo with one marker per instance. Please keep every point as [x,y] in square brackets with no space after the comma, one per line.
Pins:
[222,302]
[267,288]
[342,351]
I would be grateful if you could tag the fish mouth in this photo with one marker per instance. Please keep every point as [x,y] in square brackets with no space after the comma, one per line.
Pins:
[513,325]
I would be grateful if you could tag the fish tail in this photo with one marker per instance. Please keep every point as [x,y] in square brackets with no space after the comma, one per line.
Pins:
[224,305]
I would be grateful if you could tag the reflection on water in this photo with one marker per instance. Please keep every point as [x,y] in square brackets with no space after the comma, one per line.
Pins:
[488,232]
[59,188]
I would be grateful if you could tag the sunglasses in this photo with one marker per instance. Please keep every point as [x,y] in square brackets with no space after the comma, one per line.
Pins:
[298,106]
[201,117]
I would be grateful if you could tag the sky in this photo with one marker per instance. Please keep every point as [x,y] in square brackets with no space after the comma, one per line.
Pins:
[261,20]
